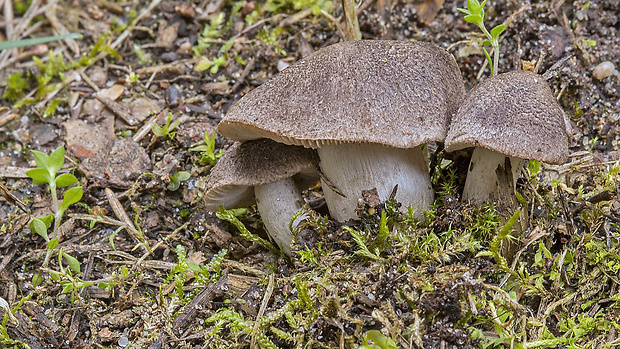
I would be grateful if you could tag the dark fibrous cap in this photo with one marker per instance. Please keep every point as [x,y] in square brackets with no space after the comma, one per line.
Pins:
[252,163]
[395,93]
[513,113]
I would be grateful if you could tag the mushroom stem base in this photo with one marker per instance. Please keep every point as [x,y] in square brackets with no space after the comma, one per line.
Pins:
[277,202]
[355,167]
[491,176]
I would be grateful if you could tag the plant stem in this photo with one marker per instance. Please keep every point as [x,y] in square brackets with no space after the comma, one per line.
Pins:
[495,44]
[55,205]
[495,57]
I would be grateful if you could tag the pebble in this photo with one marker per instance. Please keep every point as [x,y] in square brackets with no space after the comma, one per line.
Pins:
[604,70]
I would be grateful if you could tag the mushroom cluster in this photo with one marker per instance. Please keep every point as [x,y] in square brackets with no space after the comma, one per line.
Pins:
[368,108]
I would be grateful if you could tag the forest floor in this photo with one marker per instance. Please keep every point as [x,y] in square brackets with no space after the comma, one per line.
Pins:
[136,261]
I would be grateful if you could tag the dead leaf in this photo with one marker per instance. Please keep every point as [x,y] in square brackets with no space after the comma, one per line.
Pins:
[427,10]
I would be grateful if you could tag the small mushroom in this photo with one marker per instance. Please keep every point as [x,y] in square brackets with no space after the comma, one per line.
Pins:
[269,172]
[507,118]
[369,107]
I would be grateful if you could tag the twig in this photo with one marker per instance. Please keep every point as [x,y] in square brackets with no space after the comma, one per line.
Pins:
[8,18]
[201,300]
[50,13]
[19,30]
[352,26]
[69,80]
[133,25]
[5,119]
[261,311]
[121,214]
[148,126]
[88,81]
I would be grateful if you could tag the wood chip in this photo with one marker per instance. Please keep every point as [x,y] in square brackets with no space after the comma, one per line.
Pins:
[427,10]
[201,301]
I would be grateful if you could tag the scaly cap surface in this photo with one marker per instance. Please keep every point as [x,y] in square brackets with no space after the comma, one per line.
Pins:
[247,164]
[396,93]
[513,113]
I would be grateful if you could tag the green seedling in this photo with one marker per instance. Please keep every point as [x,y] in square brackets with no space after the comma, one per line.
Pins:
[167,129]
[176,179]
[46,173]
[475,15]
[212,65]
[208,154]
[211,34]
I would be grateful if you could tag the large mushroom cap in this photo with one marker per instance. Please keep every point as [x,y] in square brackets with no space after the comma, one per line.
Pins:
[396,93]
[515,114]
[248,164]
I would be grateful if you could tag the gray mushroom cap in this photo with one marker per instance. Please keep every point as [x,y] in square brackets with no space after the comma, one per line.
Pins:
[396,93]
[515,114]
[252,163]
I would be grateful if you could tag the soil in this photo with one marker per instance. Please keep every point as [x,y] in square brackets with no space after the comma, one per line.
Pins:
[103,113]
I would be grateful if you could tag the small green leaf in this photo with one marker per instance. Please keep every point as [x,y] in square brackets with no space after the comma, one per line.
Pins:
[39,227]
[488,56]
[498,30]
[210,142]
[158,130]
[52,244]
[37,279]
[380,340]
[48,220]
[195,267]
[199,148]
[174,185]
[73,263]
[56,160]
[67,286]
[65,180]
[176,179]
[55,276]
[182,176]
[41,159]
[72,196]
[486,43]
[39,175]
[474,19]
[473,5]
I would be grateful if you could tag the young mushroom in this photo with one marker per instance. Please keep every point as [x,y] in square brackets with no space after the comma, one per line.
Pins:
[369,107]
[507,118]
[269,172]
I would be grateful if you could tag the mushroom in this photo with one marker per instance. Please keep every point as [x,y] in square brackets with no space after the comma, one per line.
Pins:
[270,172]
[507,118]
[369,107]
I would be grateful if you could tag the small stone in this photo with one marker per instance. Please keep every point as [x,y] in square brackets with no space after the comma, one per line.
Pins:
[168,57]
[603,70]
[185,10]
[123,341]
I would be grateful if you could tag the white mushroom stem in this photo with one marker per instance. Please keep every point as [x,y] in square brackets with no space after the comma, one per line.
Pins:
[354,167]
[482,183]
[277,202]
